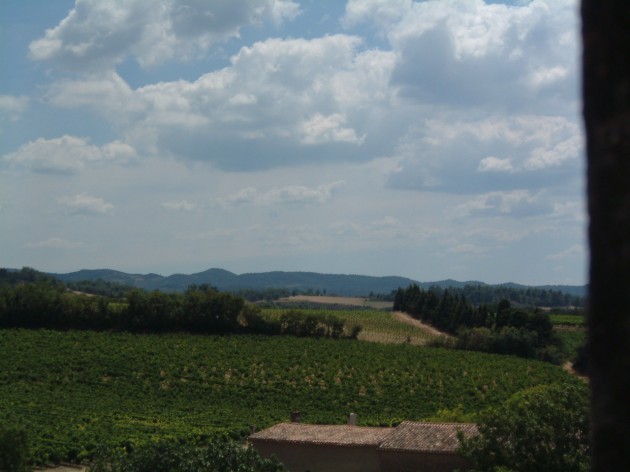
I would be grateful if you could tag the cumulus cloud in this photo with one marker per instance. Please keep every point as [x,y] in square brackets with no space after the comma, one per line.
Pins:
[97,35]
[384,13]
[322,129]
[292,194]
[481,54]
[453,155]
[67,155]
[83,204]
[106,93]
[280,102]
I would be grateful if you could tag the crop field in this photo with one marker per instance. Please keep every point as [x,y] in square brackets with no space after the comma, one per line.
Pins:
[378,325]
[72,391]
[572,320]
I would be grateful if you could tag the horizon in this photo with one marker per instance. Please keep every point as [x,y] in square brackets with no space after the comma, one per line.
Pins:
[434,280]
[433,140]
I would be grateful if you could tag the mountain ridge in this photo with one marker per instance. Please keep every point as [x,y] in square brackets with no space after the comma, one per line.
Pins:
[332,284]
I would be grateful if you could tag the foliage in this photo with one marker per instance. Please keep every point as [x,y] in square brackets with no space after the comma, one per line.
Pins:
[542,429]
[299,323]
[14,452]
[520,295]
[201,309]
[75,390]
[571,339]
[253,295]
[100,287]
[219,455]
[376,325]
[500,329]
[10,277]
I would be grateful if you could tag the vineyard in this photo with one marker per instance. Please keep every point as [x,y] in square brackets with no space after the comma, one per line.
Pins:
[73,391]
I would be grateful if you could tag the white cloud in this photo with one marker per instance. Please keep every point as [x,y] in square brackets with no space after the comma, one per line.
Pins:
[322,129]
[293,194]
[68,154]
[13,107]
[576,250]
[486,55]
[455,155]
[384,13]
[515,203]
[281,102]
[494,164]
[453,123]
[106,93]
[99,34]
[83,204]
[556,154]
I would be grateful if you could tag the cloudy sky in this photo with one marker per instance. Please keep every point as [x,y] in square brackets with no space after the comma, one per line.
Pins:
[433,139]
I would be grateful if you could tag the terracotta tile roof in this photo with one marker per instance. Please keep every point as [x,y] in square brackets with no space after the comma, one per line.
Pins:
[427,437]
[409,436]
[339,435]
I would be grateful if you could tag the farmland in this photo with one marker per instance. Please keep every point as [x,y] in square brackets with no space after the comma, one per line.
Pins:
[75,390]
[377,325]
[571,320]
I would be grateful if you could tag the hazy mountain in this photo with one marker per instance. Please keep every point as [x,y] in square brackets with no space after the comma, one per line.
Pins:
[332,284]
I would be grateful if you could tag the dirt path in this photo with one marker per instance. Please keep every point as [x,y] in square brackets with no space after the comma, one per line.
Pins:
[405,318]
[568,367]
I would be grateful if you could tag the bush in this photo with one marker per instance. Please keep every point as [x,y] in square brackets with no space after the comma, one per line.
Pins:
[542,429]
[219,456]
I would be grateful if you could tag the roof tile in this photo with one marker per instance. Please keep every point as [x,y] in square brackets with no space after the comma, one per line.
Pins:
[341,435]
[427,437]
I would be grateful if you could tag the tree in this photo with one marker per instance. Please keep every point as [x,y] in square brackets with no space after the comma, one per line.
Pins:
[542,429]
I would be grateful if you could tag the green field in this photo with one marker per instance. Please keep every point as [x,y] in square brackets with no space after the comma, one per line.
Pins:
[377,325]
[572,320]
[72,391]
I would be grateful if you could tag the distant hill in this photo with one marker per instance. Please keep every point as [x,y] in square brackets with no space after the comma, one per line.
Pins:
[331,284]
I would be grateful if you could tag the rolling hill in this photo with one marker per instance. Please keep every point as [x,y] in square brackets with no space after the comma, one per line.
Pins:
[332,284]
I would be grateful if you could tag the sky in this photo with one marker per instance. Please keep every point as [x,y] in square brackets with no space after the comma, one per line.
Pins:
[432,140]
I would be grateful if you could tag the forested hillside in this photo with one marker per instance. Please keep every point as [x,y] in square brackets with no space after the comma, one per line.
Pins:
[331,284]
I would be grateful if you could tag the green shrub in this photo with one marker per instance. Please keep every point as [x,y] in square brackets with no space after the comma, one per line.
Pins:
[541,429]
[219,456]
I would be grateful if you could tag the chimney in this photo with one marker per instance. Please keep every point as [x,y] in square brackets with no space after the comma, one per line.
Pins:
[352,419]
[295,417]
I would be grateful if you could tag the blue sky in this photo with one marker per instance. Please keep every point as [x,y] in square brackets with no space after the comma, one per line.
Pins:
[433,139]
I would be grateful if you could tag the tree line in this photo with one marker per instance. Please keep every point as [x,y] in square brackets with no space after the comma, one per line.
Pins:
[496,328]
[29,300]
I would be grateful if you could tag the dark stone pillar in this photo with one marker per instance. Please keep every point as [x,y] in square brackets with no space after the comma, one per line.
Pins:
[606,92]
